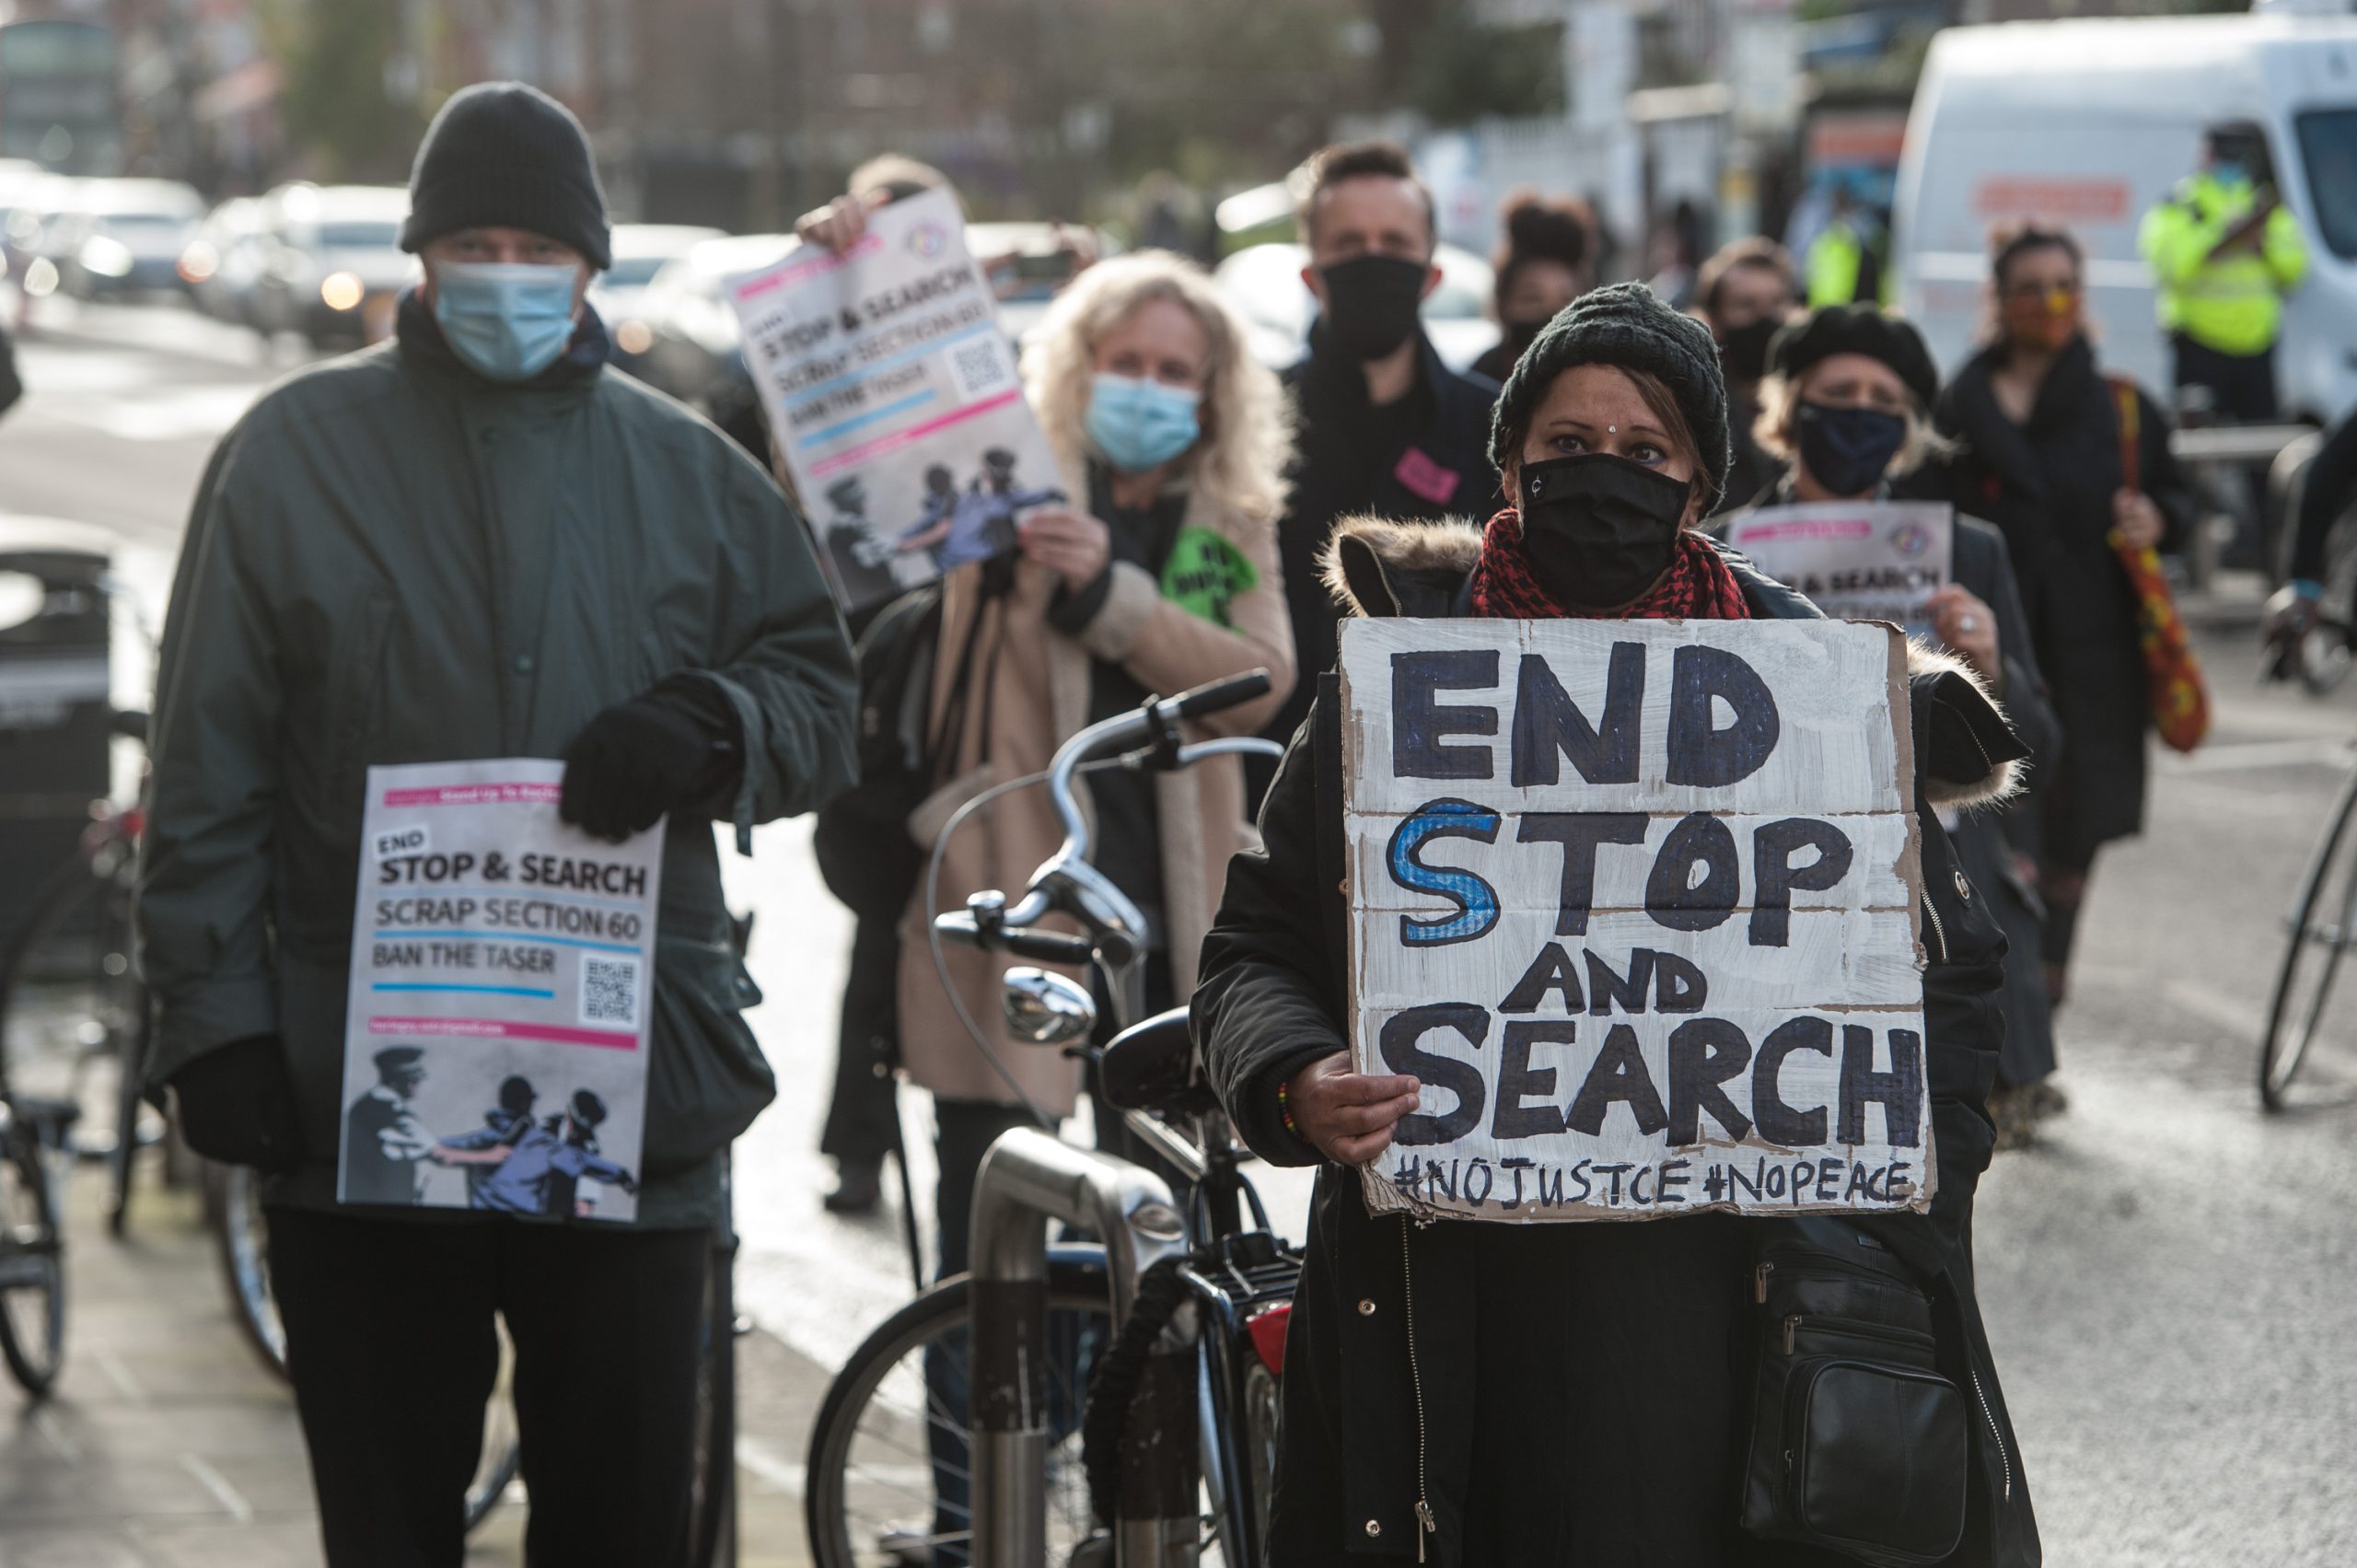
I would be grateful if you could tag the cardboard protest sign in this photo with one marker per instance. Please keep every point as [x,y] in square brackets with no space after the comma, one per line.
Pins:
[891,393]
[1855,560]
[495,1033]
[1636,902]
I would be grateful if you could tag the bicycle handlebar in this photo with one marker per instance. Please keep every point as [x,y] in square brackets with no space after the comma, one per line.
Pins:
[1066,881]
[1039,946]
[1215,695]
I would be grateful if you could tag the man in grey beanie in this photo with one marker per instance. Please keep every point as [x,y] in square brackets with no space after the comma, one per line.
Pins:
[474,541]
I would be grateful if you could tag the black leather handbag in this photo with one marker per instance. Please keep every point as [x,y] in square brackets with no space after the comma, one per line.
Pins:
[1859,1444]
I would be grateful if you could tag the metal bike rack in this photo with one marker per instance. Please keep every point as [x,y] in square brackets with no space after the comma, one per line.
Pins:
[1026,1180]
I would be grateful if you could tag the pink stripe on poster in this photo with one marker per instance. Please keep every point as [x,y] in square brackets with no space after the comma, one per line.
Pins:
[811,266]
[477,795]
[1848,528]
[501,1029]
[914,432]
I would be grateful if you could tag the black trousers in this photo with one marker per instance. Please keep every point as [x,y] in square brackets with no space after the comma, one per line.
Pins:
[863,1112]
[393,1355]
[2243,384]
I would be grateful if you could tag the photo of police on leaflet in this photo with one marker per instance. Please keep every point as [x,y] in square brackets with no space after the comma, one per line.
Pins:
[512,1164]
[382,1138]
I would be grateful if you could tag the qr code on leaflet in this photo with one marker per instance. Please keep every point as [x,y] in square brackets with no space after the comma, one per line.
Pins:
[609,991]
[980,366]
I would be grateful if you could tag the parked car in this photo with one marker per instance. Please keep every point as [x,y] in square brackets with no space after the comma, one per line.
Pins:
[640,250]
[694,349]
[223,265]
[1263,282]
[335,269]
[119,238]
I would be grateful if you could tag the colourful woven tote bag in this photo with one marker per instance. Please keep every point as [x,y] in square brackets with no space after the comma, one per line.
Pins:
[2179,699]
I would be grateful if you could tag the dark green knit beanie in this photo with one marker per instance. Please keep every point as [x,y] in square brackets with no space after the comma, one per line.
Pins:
[1625,324]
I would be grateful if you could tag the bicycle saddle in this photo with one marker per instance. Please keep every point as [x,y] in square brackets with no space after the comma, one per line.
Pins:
[1150,1066]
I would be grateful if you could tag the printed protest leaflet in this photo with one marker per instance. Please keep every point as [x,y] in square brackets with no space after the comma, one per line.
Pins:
[891,392]
[1636,902]
[1855,560]
[494,1052]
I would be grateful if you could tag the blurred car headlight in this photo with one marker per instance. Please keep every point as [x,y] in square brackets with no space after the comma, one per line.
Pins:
[342,291]
[634,337]
[40,278]
[107,257]
[199,262]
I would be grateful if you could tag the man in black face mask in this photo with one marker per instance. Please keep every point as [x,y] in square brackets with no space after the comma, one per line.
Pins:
[1744,294]
[1386,428]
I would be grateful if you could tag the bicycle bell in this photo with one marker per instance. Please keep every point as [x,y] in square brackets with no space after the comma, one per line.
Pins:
[1045,1008]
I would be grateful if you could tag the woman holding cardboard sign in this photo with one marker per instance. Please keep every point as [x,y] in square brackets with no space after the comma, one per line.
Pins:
[1847,406]
[1472,1394]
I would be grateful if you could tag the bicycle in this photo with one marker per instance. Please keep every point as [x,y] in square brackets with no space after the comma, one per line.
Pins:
[895,1434]
[33,1134]
[2323,926]
[71,996]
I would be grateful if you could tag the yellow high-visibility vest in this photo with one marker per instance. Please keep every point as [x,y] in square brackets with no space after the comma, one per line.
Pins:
[1834,259]
[2233,304]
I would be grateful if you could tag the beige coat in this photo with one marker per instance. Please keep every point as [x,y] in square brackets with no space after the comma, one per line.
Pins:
[1041,697]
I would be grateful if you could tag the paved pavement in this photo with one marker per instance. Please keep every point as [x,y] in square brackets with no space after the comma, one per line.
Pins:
[167,1444]
[2167,1275]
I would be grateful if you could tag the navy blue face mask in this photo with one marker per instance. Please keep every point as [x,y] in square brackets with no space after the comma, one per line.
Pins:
[1847,449]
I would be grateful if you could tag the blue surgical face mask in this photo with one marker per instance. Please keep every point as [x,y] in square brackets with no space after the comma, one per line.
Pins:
[1139,424]
[508,320]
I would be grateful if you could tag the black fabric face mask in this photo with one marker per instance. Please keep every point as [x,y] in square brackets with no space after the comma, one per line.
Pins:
[1743,356]
[1846,449]
[1371,303]
[1599,530]
[1520,335]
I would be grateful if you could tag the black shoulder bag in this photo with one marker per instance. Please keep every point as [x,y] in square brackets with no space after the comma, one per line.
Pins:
[1859,1444]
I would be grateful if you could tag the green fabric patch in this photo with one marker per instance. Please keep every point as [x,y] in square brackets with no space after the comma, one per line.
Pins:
[1205,573]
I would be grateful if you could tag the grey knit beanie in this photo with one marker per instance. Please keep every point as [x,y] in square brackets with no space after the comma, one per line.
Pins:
[1625,324]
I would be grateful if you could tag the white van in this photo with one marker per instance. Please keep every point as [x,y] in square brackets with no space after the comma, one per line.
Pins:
[2088,124]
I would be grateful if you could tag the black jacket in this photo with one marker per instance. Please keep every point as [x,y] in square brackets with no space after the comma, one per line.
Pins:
[1618,1344]
[1440,469]
[2048,486]
[1990,845]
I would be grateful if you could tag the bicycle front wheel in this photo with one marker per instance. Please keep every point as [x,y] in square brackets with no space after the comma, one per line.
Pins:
[32,1272]
[2320,933]
[889,1465]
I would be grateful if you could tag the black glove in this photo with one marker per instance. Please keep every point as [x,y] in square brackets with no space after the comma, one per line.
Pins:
[237,1105]
[675,744]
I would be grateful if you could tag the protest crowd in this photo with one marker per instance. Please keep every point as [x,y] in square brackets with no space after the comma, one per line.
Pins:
[1800,665]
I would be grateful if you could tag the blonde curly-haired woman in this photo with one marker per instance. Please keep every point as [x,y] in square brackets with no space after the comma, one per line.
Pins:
[1166,578]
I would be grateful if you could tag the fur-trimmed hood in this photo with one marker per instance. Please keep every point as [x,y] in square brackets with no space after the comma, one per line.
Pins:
[1967,754]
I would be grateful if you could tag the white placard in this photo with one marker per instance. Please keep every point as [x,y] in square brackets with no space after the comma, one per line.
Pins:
[503,967]
[1855,560]
[1637,902]
[892,392]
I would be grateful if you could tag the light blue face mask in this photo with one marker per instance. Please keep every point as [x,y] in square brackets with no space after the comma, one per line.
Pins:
[508,320]
[1139,424]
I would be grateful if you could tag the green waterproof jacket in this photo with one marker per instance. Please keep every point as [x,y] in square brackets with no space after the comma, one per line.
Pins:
[392,560]
[2233,303]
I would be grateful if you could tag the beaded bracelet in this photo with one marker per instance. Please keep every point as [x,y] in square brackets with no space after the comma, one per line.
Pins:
[1285,1110]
